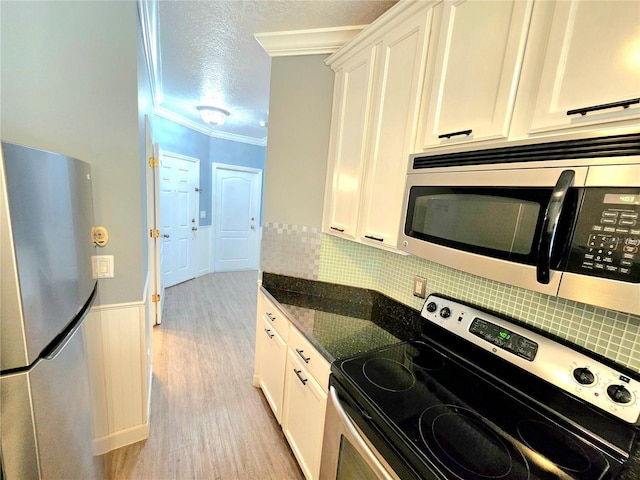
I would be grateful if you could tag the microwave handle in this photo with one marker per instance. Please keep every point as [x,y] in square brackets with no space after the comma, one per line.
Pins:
[550,225]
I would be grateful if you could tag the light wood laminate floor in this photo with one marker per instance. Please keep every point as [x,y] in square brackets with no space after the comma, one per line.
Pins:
[207,420]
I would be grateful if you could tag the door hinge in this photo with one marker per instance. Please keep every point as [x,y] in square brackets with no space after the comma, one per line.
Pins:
[154,233]
[155,298]
[153,161]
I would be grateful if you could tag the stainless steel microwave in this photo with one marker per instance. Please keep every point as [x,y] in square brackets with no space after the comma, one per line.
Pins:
[560,218]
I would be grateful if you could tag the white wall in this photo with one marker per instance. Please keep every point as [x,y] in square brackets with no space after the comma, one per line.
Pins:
[299,120]
[69,84]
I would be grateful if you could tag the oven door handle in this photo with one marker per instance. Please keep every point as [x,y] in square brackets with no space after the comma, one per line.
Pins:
[348,423]
[550,225]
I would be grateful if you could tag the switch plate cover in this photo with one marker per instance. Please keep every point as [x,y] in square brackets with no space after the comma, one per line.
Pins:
[419,286]
[102,266]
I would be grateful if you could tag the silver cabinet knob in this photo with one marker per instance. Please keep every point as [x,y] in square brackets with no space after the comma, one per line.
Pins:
[166,235]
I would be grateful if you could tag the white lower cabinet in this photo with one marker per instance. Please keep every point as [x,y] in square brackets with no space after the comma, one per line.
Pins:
[303,418]
[273,357]
[271,353]
[297,394]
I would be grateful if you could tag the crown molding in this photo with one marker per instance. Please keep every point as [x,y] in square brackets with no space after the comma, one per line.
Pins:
[209,131]
[307,42]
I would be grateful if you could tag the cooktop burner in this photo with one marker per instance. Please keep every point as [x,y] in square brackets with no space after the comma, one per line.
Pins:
[468,447]
[556,445]
[388,374]
[424,358]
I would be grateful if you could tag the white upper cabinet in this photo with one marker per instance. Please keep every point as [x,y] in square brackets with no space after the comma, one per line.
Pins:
[351,104]
[376,102]
[591,65]
[394,119]
[475,71]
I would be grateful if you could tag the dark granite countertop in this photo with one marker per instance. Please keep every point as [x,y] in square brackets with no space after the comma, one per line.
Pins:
[338,320]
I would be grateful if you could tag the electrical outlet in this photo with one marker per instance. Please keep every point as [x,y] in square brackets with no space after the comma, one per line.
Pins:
[419,286]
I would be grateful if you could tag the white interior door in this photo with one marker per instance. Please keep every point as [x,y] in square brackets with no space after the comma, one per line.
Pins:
[237,193]
[179,179]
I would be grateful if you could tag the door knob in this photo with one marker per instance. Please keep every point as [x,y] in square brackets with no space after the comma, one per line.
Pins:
[166,235]
[252,227]
[194,228]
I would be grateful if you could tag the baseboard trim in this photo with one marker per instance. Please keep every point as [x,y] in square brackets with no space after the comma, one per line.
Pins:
[120,439]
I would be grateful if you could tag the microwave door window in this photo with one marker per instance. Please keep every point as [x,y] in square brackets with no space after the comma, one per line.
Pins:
[497,223]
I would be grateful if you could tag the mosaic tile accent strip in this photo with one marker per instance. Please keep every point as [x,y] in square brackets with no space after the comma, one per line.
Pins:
[290,250]
[347,263]
[612,334]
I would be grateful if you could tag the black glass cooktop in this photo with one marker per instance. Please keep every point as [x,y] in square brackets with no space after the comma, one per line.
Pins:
[454,423]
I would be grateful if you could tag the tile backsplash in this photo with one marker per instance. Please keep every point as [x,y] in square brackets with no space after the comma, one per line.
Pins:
[291,250]
[612,334]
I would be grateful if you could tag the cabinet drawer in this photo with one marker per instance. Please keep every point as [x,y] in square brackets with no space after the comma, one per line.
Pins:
[313,361]
[303,415]
[273,316]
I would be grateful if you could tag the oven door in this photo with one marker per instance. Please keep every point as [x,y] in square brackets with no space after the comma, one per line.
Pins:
[346,453]
[511,225]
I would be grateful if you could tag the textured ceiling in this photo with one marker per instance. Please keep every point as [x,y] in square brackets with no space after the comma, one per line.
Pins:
[207,54]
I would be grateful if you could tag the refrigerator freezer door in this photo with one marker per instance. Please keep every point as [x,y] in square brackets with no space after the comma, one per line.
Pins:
[50,211]
[19,453]
[59,397]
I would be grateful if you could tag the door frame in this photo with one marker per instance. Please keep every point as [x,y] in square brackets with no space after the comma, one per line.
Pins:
[155,292]
[215,166]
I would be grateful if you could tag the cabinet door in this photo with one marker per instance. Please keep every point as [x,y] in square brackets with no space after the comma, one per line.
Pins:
[592,59]
[479,55]
[272,360]
[348,141]
[402,57]
[303,420]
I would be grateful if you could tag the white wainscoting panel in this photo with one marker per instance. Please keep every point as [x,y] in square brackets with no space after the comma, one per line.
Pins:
[118,354]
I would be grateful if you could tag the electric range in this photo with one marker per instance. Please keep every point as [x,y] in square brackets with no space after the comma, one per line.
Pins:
[478,396]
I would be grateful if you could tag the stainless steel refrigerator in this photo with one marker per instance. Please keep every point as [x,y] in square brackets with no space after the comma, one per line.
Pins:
[46,218]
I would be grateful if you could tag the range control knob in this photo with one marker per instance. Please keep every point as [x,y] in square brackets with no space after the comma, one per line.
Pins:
[445,312]
[619,394]
[431,307]
[584,376]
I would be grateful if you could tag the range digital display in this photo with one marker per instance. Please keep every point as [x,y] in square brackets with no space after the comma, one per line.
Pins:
[621,199]
[504,339]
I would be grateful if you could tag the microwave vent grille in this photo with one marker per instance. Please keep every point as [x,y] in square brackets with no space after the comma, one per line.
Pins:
[612,146]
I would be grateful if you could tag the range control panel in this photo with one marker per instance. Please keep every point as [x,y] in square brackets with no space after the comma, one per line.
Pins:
[570,370]
[504,338]
[607,238]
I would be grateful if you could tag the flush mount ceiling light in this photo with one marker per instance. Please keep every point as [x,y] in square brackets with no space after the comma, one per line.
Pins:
[213,115]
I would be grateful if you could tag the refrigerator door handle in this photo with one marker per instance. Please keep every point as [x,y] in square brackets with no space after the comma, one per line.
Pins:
[61,340]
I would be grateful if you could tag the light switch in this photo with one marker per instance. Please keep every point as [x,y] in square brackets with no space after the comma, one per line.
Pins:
[102,266]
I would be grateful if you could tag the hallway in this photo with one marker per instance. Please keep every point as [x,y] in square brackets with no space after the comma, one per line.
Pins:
[207,420]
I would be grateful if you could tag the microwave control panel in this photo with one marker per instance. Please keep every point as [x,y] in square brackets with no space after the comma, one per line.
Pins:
[606,242]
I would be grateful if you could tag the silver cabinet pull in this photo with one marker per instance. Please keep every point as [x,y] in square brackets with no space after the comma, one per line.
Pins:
[269,334]
[303,380]
[300,352]
[271,316]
